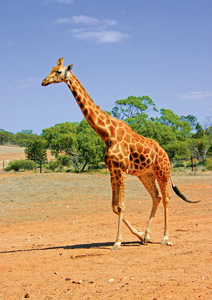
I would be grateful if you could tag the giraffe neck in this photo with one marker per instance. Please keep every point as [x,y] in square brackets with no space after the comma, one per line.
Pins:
[95,116]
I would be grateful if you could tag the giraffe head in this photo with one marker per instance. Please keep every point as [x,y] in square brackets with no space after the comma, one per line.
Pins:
[58,74]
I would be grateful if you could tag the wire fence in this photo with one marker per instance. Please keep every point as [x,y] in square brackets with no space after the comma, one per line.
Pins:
[188,163]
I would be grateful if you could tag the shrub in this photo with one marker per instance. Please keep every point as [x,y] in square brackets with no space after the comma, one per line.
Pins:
[179,164]
[28,164]
[72,171]
[17,165]
[208,164]
[8,168]
[63,160]
[52,165]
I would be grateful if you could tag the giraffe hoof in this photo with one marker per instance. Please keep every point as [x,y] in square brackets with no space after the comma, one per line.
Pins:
[141,236]
[146,239]
[116,246]
[164,242]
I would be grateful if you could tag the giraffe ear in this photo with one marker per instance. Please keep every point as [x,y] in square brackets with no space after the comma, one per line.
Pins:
[69,67]
[60,61]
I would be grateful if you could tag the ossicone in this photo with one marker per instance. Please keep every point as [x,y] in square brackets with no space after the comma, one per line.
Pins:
[60,61]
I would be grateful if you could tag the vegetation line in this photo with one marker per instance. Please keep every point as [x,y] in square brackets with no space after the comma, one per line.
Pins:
[77,147]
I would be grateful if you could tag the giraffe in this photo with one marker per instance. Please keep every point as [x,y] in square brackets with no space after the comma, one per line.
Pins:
[126,153]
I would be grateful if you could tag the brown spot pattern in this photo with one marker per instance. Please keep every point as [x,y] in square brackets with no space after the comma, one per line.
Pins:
[126,151]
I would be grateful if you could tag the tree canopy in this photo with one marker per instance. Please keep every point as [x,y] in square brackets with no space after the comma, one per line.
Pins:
[78,141]
[133,106]
[77,144]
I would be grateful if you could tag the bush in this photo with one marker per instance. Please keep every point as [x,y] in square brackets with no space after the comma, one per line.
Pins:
[8,168]
[24,164]
[28,164]
[63,160]
[179,164]
[72,171]
[52,165]
[208,164]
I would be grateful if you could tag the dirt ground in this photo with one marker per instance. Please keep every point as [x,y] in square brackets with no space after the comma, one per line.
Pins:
[57,231]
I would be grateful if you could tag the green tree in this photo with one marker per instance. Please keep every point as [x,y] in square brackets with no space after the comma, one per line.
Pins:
[36,151]
[77,141]
[201,147]
[179,125]
[22,139]
[91,148]
[27,131]
[133,106]
[61,138]
[6,137]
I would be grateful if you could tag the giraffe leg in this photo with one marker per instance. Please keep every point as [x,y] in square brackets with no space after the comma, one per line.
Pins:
[139,235]
[118,241]
[165,194]
[149,183]
[118,183]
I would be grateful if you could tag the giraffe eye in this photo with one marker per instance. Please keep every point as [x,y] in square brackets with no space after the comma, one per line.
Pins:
[59,72]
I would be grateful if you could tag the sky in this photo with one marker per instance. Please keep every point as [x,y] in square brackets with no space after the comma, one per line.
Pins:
[118,48]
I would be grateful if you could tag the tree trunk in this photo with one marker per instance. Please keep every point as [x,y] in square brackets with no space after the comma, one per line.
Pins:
[192,163]
[41,163]
[84,167]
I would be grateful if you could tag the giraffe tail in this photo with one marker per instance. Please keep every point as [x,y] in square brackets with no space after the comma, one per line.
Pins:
[176,190]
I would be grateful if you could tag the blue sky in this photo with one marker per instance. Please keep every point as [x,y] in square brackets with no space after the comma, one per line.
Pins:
[119,48]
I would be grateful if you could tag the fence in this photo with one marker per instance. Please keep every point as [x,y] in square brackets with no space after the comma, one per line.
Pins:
[4,164]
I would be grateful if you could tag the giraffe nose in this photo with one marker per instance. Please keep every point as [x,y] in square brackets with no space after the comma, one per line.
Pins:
[44,83]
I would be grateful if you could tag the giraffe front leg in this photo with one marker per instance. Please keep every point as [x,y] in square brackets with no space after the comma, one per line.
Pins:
[118,182]
[118,241]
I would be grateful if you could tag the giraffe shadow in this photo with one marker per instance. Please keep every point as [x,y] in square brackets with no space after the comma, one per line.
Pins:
[105,245]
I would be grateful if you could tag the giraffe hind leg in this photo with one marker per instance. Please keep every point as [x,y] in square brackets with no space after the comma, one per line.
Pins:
[149,183]
[165,194]
[139,235]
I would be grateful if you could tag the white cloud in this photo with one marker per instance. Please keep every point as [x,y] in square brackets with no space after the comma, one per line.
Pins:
[196,95]
[101,36]
[110,22]
[86,20]
[93,29]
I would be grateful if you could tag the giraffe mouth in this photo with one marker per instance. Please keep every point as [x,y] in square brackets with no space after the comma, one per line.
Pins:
[44,83]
